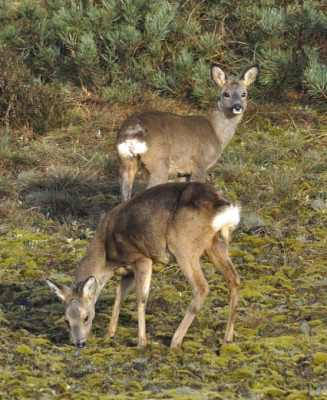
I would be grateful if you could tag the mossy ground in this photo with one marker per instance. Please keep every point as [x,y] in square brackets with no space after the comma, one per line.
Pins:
[54,192]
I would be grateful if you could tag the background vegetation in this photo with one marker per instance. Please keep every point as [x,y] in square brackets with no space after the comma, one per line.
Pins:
[124,51]
[70,72]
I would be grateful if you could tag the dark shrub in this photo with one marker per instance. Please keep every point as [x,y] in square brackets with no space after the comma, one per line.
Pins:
[25,101]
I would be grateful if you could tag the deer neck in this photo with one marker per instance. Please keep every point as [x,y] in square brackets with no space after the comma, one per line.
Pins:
[94,264]
[224,125]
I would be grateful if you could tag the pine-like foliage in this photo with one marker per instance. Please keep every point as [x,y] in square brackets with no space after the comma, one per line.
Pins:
[280,35]
[124,48]
[315,78]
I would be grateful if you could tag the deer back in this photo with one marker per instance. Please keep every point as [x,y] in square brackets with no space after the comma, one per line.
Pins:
[143,225]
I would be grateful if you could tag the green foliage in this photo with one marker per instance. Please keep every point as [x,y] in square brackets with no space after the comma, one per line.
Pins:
[163,45]
[315,78]
[282,36]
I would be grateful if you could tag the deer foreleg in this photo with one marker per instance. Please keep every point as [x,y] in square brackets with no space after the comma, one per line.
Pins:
[158,172]
[142,272]
[199,174]
[124,287]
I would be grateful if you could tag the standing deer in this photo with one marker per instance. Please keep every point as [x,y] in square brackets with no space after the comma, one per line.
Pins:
[174,222]
[162,143]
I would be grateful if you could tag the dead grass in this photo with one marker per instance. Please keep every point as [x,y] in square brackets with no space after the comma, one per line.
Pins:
[288,115]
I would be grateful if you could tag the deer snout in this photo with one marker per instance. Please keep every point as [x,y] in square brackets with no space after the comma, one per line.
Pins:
[81,344]
[237,109]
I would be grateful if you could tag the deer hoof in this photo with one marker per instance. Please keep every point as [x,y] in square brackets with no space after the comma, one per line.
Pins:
[107,338]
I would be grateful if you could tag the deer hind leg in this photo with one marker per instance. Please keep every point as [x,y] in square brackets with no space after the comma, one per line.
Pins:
[127,170]
[142,272]
[124,287]
[218,254]
[200,289]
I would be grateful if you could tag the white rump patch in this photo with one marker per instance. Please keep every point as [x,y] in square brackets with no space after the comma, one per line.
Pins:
[230,216]
[131,148]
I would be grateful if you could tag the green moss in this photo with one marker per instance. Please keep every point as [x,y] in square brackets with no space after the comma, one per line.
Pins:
[17,393]
[24,350]
[11,261]
[158,268]
[236,253]
[97,198]
[298,395]
[280,274]
[319,358]
[289,271]
[270,392]
[281,342]
[249,258]
[250,294]
[297,358]
[191,345]
[135,386]
[317,322]
[213,360]
[242,373]
[29,273]
[167,371]
[279,318]
[319,370]
[251,347]
[229,349]
[254,240]
[256,251]
[274,213]
[97,360]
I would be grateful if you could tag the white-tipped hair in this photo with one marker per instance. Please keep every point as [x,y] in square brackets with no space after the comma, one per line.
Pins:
[230,218]
[131,148]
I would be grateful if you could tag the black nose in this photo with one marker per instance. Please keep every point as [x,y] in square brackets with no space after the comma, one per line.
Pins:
[81,344]
[237,107]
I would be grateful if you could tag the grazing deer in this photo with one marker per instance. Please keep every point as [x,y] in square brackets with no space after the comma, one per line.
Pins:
[174,222]
[162,143]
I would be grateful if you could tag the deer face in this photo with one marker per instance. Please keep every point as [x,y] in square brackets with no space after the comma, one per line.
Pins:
[79,315]
[233,93]
[233,98]
[79,307]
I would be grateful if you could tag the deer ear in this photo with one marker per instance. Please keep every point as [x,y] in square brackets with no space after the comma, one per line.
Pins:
[250,75]
[60,290]
[89,287]
[218,75]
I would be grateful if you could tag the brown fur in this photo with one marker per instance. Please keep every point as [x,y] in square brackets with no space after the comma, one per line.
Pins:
[168,223]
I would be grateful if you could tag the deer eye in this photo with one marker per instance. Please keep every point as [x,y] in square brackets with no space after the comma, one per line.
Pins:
[66,321]
[226,95]
[243,94]
[86,319]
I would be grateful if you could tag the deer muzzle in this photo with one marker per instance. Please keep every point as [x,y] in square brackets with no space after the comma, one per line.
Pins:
[80,344]
[237,109]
